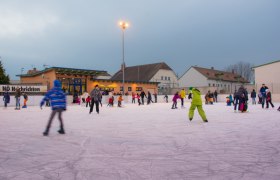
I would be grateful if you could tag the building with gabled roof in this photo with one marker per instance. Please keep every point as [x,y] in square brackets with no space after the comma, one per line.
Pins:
[81,80]
[211,79]
[268,74]
[156,72]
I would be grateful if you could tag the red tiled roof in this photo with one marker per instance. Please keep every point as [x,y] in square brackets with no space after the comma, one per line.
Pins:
[220,75]
[141,72]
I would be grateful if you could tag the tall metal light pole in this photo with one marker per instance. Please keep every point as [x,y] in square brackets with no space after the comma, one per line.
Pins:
[123,26]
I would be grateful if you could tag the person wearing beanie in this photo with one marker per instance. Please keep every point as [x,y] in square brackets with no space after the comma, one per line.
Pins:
[268,99]
[58,104]
[195,95]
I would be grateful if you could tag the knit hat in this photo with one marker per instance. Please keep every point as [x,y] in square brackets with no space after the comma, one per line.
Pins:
[57,83]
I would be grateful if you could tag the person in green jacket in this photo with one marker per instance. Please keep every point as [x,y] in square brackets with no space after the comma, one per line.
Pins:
[195,95]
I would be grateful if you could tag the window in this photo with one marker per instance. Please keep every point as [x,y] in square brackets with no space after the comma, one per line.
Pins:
[161,77]
[121,88]
[139,88]
[209,85]
[165,78]
[168,78]
[129,88]
[213,85]
[218,85]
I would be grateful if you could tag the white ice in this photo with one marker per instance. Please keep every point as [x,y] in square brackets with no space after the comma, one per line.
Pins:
[146,142]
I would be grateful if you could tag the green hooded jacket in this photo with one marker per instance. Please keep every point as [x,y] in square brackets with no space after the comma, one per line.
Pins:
[196,97]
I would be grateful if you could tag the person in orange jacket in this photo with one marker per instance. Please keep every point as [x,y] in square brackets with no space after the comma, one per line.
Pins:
[120,99]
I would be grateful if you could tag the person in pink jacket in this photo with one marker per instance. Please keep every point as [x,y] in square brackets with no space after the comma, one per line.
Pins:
[175,97]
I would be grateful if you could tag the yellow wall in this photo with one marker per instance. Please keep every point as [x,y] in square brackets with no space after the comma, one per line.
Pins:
[50,76]
[46,78]
[117,85]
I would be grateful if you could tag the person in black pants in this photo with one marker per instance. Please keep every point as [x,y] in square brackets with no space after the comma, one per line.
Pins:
[143,94]
[95,98]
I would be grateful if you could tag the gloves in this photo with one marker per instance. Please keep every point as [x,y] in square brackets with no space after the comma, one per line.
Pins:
[190,96]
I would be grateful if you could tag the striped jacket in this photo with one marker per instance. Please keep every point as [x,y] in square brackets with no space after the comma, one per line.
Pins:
[56,96]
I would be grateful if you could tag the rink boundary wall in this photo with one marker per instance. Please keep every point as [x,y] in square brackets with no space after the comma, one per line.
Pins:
[35,100]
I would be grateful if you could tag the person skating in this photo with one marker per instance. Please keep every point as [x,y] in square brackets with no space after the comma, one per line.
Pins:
[142,95]
[215,96]
[17,96]
[111,101]
[149,98]
[25,97]
[263,92]
[120,99]
[253,96]
[174,99]
[182,95]
[88,99]
[268,99]
[242,103]
[95,98]
[155,96]
[195,95]
[133,96]
[166,98]
[6,98]
[242,91]
[138,99]
[58,104]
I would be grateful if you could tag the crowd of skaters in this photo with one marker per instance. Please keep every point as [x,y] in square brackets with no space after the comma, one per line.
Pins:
[56,98]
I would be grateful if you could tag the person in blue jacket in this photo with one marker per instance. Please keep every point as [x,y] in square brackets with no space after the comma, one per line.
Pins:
[263,92]
[58,103]
[6,98]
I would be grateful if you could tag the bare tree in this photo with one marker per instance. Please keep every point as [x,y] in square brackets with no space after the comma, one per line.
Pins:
[242,68]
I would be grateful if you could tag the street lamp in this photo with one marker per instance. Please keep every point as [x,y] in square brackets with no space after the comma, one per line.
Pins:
[123,26]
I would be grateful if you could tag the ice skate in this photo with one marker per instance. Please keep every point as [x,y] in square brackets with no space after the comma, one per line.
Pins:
[45,133]
[61,131]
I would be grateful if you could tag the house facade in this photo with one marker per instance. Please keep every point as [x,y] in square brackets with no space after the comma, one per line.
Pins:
[81,80]
[211,79]
[268,74]
[160,73]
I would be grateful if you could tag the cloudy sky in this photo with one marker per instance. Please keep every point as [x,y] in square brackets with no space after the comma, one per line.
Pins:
[182,33]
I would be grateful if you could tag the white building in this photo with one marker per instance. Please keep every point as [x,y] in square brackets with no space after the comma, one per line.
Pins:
[268,74]
[211,79]
[157,72]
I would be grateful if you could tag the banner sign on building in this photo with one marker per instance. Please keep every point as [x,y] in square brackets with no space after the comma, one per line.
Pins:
[23,88]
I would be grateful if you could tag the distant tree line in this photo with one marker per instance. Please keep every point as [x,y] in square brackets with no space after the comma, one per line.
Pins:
[242,68]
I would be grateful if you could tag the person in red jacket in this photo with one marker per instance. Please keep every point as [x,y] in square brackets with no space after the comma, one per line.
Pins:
[88,99]
[268,99]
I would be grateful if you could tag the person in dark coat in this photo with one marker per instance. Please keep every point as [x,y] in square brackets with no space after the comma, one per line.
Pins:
[268,99]
[253,96]
[6,98]
[17,96]
[58,103]
[263,92]
[149,99]
[215,96]
[142,95]
[95,99]
[243,98]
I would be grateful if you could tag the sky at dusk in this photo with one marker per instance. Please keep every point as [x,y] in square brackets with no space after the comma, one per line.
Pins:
[85,34]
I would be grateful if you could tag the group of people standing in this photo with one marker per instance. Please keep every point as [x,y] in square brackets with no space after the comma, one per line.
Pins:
[241,98]
[18,94]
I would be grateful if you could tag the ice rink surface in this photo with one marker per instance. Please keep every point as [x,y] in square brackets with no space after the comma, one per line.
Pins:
[146,142]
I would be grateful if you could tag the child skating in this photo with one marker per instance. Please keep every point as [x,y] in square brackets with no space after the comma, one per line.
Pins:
[195,95]
[58,103]
[175,97]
